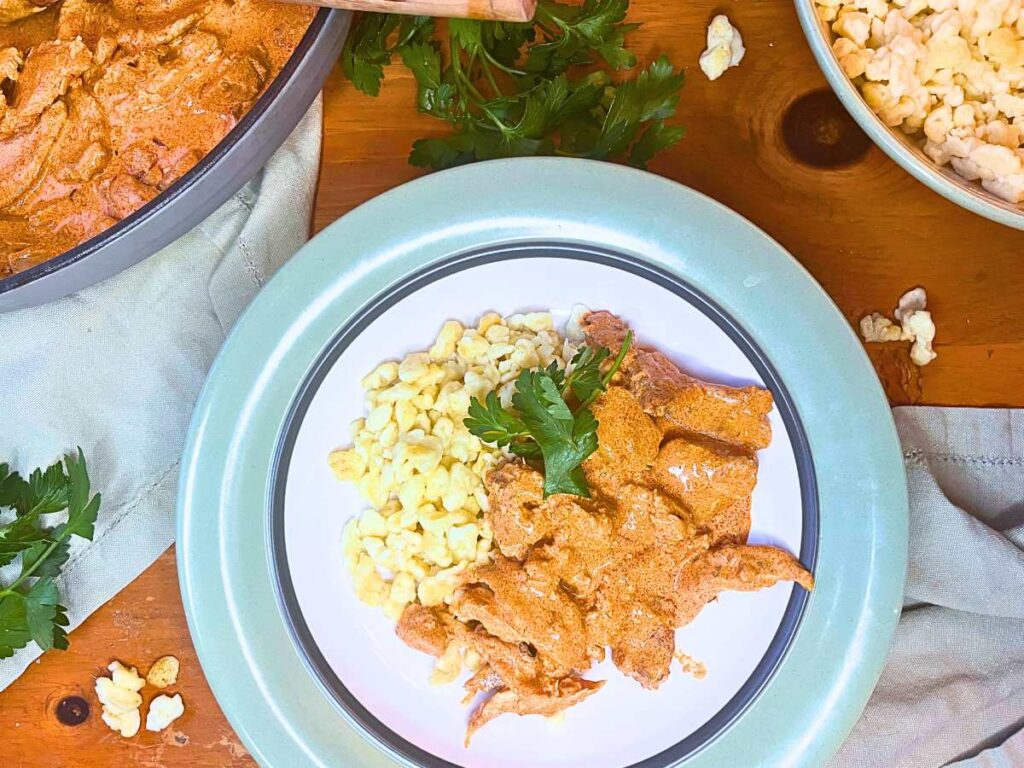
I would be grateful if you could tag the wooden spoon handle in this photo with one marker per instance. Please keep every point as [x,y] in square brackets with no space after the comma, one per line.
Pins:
[494,10]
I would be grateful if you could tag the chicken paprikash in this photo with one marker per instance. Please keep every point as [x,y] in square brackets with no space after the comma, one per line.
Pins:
[106,103]
[662,532]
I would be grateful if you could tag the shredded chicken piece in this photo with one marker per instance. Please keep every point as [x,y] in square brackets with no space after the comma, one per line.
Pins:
[645,652]
[734,415]
[15,10]
[603,329]
[23,154]
[10,64]
[518,604]
[484,680]
[426,629]
[737,416]
[48,73]
[514,664]
[571,691]
[740,568]
[705,477]
[627,440]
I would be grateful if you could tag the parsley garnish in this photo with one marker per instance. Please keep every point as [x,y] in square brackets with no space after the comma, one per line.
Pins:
[543,425]
[30,608]
[367,49]
[507,90]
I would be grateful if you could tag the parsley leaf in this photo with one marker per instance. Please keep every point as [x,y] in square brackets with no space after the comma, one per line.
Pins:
[594,27]
[565,440]
[40,611]
[447,152]
[47,492]
[30,608]
[367,49]
[653,96]
[543,426]
[82,510]
[656,137]
[14,629]
[12,487]
[585,379]
[508,89]
[16,537]
[503,41]
[492,423]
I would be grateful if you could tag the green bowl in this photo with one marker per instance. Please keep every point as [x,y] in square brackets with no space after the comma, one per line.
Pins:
[905,150]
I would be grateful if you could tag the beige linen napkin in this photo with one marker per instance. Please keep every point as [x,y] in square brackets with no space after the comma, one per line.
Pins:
[116,369]
[952,692]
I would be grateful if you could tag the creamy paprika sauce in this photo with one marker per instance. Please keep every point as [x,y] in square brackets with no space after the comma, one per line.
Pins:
[106,103]
[662,534]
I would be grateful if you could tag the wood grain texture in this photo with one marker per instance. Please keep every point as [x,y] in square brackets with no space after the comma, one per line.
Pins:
[866,231]
[142,623]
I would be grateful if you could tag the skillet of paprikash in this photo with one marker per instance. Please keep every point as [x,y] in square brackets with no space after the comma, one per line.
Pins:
[104,104]
[664,531]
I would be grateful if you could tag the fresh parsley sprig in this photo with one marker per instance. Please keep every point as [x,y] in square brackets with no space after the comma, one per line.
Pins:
[30,608]
[508,89]
[374,42]
[544,425]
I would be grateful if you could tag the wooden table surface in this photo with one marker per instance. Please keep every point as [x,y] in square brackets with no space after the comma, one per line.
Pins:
[866,231]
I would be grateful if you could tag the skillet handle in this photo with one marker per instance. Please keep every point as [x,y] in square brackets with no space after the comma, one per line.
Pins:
[493,10]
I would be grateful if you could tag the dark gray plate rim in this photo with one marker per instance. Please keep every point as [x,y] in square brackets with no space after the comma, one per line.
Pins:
[182,185]
[313,659]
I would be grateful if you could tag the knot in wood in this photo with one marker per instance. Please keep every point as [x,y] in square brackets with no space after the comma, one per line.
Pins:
[818,131]
[72,710]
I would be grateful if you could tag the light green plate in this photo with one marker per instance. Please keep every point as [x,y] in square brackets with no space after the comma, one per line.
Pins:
[818,680]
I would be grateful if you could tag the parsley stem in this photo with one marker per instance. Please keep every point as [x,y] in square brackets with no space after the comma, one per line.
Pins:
[626,344]
[490,77]
[607,378]
[405,40]
[496,120]
[34,512]
[544,12]
[499,65]
[474,95]
[467,87]
[550,34]
[32,569]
